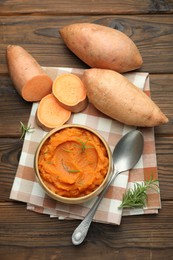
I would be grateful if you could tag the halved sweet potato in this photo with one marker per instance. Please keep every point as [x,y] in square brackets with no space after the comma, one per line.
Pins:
[70,92]
[50,114]
[29,79]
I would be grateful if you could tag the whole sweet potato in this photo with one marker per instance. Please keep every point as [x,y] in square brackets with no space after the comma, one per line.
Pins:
[115,96]
[102,47]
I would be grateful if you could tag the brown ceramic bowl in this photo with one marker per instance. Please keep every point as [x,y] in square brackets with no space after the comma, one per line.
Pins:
[70,199]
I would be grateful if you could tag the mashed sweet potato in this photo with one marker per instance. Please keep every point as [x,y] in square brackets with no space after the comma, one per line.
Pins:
[73,162]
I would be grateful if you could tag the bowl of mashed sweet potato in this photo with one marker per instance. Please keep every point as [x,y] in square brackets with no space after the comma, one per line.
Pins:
[73,163]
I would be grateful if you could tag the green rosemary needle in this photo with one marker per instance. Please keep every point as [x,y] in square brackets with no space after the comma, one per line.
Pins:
[84,145]
[25,129]
[137,197]
[67,169]
[73,171]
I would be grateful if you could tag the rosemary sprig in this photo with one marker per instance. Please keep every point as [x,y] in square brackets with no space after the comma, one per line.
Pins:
[83,145]
[137,197]
[25,129]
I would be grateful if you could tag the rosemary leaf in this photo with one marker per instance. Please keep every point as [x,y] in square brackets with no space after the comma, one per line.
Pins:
[137,197]
[73,171]
[25,129]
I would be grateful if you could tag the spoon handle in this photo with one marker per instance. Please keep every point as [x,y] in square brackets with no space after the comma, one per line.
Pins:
[81,231]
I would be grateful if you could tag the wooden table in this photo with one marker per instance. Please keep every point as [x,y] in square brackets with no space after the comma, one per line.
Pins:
[34,25]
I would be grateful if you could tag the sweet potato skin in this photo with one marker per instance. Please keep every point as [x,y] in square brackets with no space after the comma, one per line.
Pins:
[29,79]
[115,96]
[102,47]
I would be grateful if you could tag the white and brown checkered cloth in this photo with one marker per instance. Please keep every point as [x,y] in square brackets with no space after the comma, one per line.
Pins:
[26,188]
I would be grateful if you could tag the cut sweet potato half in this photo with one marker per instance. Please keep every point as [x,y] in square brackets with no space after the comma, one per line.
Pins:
[29,79]
[70,92]
[50,114]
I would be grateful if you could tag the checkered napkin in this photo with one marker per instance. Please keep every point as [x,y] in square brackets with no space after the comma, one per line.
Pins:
[26,188]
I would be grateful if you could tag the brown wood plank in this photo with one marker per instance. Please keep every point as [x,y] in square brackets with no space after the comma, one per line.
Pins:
[162,94]
[80,253]
[13,109]
[34,25]
[164,155]
[10,150]
[152,34]
[34,236]
[60,7]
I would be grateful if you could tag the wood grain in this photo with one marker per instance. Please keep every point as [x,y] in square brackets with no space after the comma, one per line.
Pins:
[11,115]
[36,236]
[152,35]
[62,7]
[34,25]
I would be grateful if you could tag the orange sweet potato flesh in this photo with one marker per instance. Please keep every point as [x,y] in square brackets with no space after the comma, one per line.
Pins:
[29,79]
[72,171]
[114,95]
[70,92]
[102,47]
[50,114]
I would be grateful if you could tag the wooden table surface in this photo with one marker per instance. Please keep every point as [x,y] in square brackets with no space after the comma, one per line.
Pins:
[34,25]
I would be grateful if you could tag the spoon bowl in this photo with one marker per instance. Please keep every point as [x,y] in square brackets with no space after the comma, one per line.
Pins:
[128,151]
[126,154]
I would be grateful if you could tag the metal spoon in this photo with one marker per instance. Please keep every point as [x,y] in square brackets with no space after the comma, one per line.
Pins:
[125,155]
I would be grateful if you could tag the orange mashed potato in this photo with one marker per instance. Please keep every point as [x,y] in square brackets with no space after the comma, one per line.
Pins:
[73,162]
